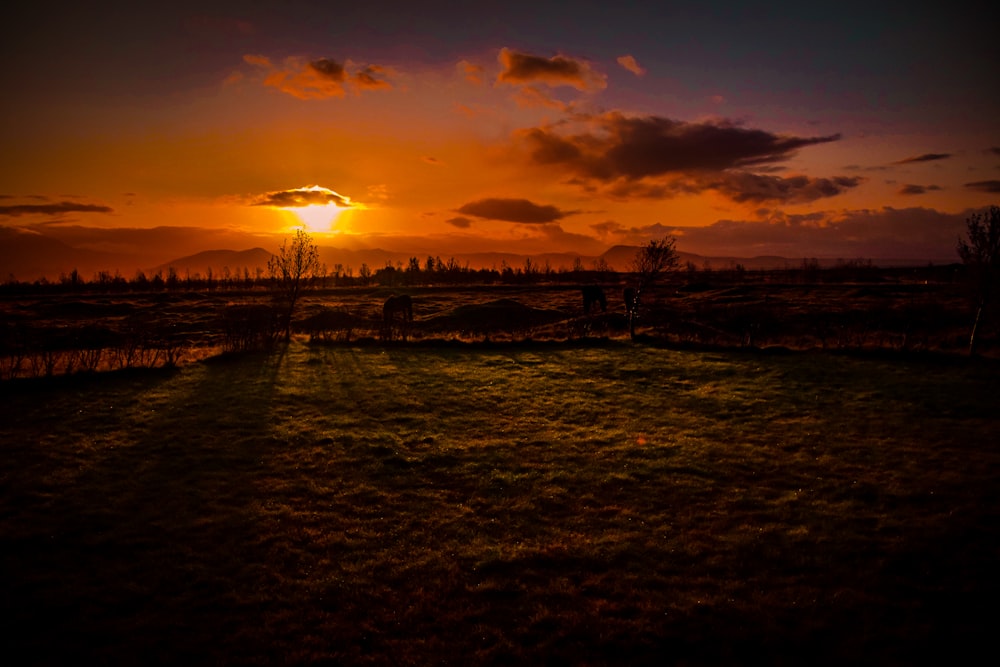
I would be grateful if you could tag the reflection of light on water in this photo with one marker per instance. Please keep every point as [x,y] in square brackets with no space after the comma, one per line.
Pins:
[641,440]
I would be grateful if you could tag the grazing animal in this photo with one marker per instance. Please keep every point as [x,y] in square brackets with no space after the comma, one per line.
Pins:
[593,294]
[397,304]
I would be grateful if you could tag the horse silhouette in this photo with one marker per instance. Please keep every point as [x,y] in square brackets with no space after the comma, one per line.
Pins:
[400,305]
[593,294]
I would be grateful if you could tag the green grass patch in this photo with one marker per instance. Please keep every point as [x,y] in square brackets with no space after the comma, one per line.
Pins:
[503,505]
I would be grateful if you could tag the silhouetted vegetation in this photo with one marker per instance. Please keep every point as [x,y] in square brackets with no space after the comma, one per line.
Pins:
[981,254]
[293,270]
[651,261]
[78,325]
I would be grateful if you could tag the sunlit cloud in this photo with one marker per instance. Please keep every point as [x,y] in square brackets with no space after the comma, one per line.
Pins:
[321,78]
[629,63]
[523,68]
[312,195]
[513,210]
[992,187]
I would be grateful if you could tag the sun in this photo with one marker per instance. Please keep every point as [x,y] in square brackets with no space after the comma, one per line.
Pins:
[318,218]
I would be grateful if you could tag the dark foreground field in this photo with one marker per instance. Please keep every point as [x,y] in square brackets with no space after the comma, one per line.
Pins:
[518,504]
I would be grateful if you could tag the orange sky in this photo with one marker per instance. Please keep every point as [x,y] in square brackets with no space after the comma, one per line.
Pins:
[742,132]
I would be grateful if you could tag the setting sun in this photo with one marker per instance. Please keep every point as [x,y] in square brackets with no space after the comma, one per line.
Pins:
[318,218]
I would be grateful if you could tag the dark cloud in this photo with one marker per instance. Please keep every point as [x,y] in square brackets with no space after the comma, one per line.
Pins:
[992,187]
[637,147]
[513,210]
[459,221]
[911,189]
[302,197]
[926,157]
[995,150]
[746,187]
[58,208]
[523,68]
[327,68]
[654,157]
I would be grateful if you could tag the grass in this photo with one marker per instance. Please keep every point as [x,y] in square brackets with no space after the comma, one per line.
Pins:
[522,504]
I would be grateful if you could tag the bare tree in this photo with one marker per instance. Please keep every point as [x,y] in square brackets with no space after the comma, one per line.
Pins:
[981,255]
[650,263]
[292,271]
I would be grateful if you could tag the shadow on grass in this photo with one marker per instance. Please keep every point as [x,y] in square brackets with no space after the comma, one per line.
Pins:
[149,552]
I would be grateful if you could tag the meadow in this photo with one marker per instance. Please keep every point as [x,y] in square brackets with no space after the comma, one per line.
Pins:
[583,502]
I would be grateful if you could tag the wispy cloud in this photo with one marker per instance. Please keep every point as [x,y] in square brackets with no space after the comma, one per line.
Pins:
[911,189]
[926,157]
[630,63]
[472,72]
[992,187]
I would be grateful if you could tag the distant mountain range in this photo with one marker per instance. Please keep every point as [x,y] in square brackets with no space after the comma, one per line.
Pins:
[29,255]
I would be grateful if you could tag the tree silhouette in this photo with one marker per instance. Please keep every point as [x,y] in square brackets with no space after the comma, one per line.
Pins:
[981,255]
[650,263]
[292,271]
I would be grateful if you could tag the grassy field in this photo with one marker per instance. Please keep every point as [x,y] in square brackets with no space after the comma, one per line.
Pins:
[518,504]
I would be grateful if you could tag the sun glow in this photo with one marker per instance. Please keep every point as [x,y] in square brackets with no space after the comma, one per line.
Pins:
[318,218]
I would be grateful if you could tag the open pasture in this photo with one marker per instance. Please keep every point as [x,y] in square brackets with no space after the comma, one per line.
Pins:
[503,504]
[51,333]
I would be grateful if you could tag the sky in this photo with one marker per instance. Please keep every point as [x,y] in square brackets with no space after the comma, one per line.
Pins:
[855,130]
